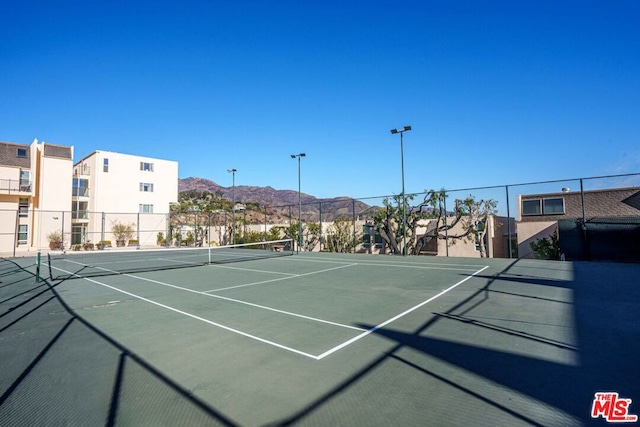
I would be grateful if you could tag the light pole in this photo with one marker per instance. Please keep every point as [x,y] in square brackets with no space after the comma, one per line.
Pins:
[404,211]
[233,196]
[299,156]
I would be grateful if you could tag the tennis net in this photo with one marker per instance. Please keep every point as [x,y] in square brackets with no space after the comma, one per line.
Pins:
[66,265]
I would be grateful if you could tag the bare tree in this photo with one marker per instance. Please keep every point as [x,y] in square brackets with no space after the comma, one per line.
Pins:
[340,236]
[470,214]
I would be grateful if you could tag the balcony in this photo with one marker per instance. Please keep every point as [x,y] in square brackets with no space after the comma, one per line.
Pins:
[82,170]
[15,186]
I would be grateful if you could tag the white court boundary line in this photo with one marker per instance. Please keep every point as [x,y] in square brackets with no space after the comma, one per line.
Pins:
[263,307]
[404,313]
[282,278]
[272,343]
[193,316]
[434,266]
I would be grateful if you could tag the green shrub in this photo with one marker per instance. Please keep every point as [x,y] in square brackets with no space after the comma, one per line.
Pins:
[546,248]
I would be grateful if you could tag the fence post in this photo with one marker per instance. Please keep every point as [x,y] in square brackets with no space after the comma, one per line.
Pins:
[167,229]
[446,231]
[137,230]
[102,224]
[62,230]
[585,235]
[38,268]
[506,187]
[320,223]
[16,230]
[353,212]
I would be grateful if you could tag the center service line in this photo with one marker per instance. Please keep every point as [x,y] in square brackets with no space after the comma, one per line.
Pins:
[193,316]
[385,323]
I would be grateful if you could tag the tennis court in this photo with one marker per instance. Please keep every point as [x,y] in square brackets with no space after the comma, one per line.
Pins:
[337,339]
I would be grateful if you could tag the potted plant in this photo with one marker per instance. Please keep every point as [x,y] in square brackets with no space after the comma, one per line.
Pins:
[104,244]
[122,233]
[55,240]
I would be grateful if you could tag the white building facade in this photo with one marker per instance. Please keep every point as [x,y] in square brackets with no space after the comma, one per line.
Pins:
[113,189]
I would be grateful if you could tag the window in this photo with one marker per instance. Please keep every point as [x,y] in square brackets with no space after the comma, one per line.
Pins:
[22,234]
[146,208]
[79,210]
[25,180]
[146,166]
[22,153]
[479,231]
[105,165]
[371,236]
[551,206]
[23,206]
[80,187]
[531,207]
[146,187]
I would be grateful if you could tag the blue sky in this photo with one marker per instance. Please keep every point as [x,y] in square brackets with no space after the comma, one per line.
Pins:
[497,92]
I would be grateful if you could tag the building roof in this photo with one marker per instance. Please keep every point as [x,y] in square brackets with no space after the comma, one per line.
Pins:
[59,151]
[9,155]
[633,200]
[564,193]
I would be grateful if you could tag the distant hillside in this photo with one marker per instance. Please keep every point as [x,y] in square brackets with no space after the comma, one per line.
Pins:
[280,199]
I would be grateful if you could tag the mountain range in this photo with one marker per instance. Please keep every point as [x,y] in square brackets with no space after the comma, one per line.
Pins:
[279,199]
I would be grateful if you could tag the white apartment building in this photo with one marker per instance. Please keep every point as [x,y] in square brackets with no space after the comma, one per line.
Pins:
[34,182]
[112,188]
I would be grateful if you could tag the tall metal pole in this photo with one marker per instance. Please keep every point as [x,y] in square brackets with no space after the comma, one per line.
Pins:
[299,208]
[299,156]
[404,198]
[509,244]
[233,208]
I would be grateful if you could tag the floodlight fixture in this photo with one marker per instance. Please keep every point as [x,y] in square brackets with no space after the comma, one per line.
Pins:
[400,131]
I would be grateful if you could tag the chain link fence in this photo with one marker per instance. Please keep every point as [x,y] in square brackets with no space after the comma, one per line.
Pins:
[523,214]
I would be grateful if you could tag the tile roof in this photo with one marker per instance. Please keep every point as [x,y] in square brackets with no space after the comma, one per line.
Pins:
[9,155]
[633,200]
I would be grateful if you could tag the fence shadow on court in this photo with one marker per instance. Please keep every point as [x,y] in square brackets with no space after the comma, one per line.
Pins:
[58,369]
[605,304]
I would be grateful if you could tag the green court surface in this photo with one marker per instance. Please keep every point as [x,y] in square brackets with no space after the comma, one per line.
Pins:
[321,339]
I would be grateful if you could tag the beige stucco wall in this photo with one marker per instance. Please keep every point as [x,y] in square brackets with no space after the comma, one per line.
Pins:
[529,232]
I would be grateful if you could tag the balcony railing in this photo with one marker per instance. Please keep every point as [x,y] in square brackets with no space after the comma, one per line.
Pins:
[82,170]
[10,186]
